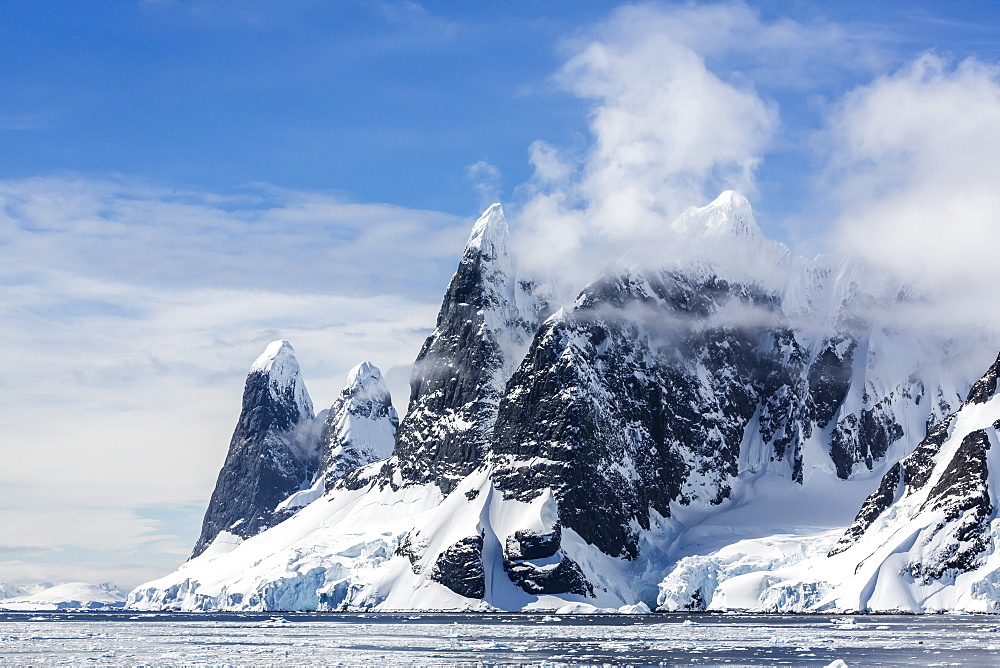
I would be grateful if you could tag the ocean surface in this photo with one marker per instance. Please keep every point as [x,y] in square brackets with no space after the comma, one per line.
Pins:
[301,639]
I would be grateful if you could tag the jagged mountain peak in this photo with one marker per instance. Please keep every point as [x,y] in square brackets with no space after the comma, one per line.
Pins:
[490,233]
[363,376]
[360,428]
[719,239]
[488,316]
[278,355]
[279,364]
[728,214]
[267,461]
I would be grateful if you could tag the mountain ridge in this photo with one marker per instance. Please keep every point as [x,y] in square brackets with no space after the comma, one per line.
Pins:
[577,457]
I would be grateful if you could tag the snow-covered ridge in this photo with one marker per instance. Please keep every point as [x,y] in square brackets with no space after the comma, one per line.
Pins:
[359,429]
[363,376]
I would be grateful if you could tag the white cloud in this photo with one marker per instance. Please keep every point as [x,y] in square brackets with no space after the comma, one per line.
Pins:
[915,171]
[682,105]
[667,133]
[130,318]
[779,52]
[263,238]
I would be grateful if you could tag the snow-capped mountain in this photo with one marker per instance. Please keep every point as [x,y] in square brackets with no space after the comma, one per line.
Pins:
[622,451]
[267,461]
[361,426]
[660,386]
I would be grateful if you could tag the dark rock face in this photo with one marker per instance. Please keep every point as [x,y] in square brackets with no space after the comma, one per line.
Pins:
[619,414]
[558,574]
[919,465]
[411,547]
[460,373]
[460,568]
[962,492]
[986,387]
[451,397]
[783,409]
[863,438]
[531,545]
[904,479]
[829,378]
[564,577]
[263,466]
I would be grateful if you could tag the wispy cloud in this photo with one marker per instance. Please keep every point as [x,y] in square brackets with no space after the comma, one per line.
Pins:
[914,170]
[263,238]
[135,313]
[486,180]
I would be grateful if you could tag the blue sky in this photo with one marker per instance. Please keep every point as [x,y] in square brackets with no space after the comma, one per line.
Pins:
[183,182]
[386,102]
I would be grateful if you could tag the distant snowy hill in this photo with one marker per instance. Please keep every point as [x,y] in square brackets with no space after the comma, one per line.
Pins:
[10,591]
[66,596]
[688,421]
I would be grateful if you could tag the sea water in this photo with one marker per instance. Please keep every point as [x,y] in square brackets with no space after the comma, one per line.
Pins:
[301,639]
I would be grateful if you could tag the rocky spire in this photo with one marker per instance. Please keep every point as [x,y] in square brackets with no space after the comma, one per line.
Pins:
[266,463]
[485,324]
[360,427]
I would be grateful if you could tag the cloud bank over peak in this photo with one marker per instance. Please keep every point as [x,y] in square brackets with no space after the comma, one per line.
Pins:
[666,132]
[914,171]
[686,101]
